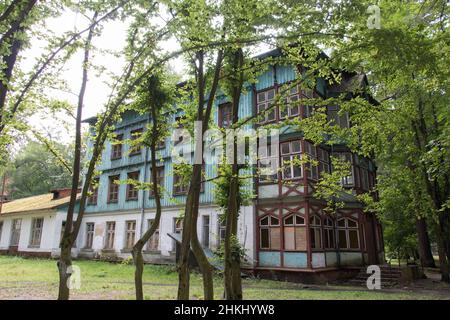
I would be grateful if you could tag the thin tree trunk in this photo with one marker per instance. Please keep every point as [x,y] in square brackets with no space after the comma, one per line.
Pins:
[425,254]
[137,248]
[200,256]
[191,208]
[70,235]
[232,272]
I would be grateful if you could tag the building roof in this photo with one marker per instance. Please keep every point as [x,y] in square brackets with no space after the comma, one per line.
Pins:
[34,203]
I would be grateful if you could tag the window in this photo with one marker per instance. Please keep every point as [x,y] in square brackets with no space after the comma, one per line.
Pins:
[225,115]
[315,232]
[15,232]
[294,233]
[268,164]
[63,226]
[1,230]
[136,148]
[269,227]
[116,147]
[178,225]
[132,190]
[312,171]
[290,155]
[161,144]
[180,125]
[153,242]
[113,189]
[336,119]
[348,233]
[36,232]
[329,234]
[222,228]
[324,161]
[292,108]
[264,101]
[130,234]
[159,178]
[110,234]
[93,190]
[179,186]
[90,226]
[347,181]
[205,235]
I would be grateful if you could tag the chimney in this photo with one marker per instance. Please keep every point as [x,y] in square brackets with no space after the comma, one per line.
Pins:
[62,193]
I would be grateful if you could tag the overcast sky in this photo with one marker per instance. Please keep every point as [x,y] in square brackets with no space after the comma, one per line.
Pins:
[112,38]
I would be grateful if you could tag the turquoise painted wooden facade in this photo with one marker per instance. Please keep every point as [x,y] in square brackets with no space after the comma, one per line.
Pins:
[277,200]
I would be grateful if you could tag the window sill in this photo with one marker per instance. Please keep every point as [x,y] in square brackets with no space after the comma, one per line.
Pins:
[91,204]
[111,201]
[132,199]
[127,250]
[87,250]
[117,158]
[109,250]
[34,246]
[135,154]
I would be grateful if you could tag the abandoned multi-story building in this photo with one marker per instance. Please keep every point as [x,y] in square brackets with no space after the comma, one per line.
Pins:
[285,231]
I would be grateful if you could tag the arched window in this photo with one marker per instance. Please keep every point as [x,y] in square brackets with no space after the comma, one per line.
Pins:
[348,233]
[294,232]
[315,232]
[269,232]
[329,233]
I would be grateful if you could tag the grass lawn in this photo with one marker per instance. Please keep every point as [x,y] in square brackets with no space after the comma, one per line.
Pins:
[38,279]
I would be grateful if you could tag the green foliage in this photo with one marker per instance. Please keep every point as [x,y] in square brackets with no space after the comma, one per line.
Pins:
[36,170]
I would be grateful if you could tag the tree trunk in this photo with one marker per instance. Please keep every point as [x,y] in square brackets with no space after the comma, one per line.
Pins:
[64,262]
[139,270]
[203,263]
[425,254]
[70,231]
[232,274]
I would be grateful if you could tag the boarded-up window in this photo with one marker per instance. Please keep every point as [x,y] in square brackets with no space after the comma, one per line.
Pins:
[294,233]
[270,233]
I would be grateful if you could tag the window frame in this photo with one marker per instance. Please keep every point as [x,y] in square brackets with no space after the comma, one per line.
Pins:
[117,148]
[292,155]
[132,191]
[134,135]
[93,198]
[89,235]
[267,103]
[112,187]
[220,116]
[36,233]
[15,232]
[130,233]
[347,230]
[153,243]
[110,237]
[269,227]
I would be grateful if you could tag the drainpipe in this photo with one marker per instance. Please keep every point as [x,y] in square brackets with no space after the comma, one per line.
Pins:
[143,191]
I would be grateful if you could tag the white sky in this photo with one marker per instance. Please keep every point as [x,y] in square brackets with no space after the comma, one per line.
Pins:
[113,37]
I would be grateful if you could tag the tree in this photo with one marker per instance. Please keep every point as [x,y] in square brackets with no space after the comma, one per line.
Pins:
[36,170]
[155,97]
